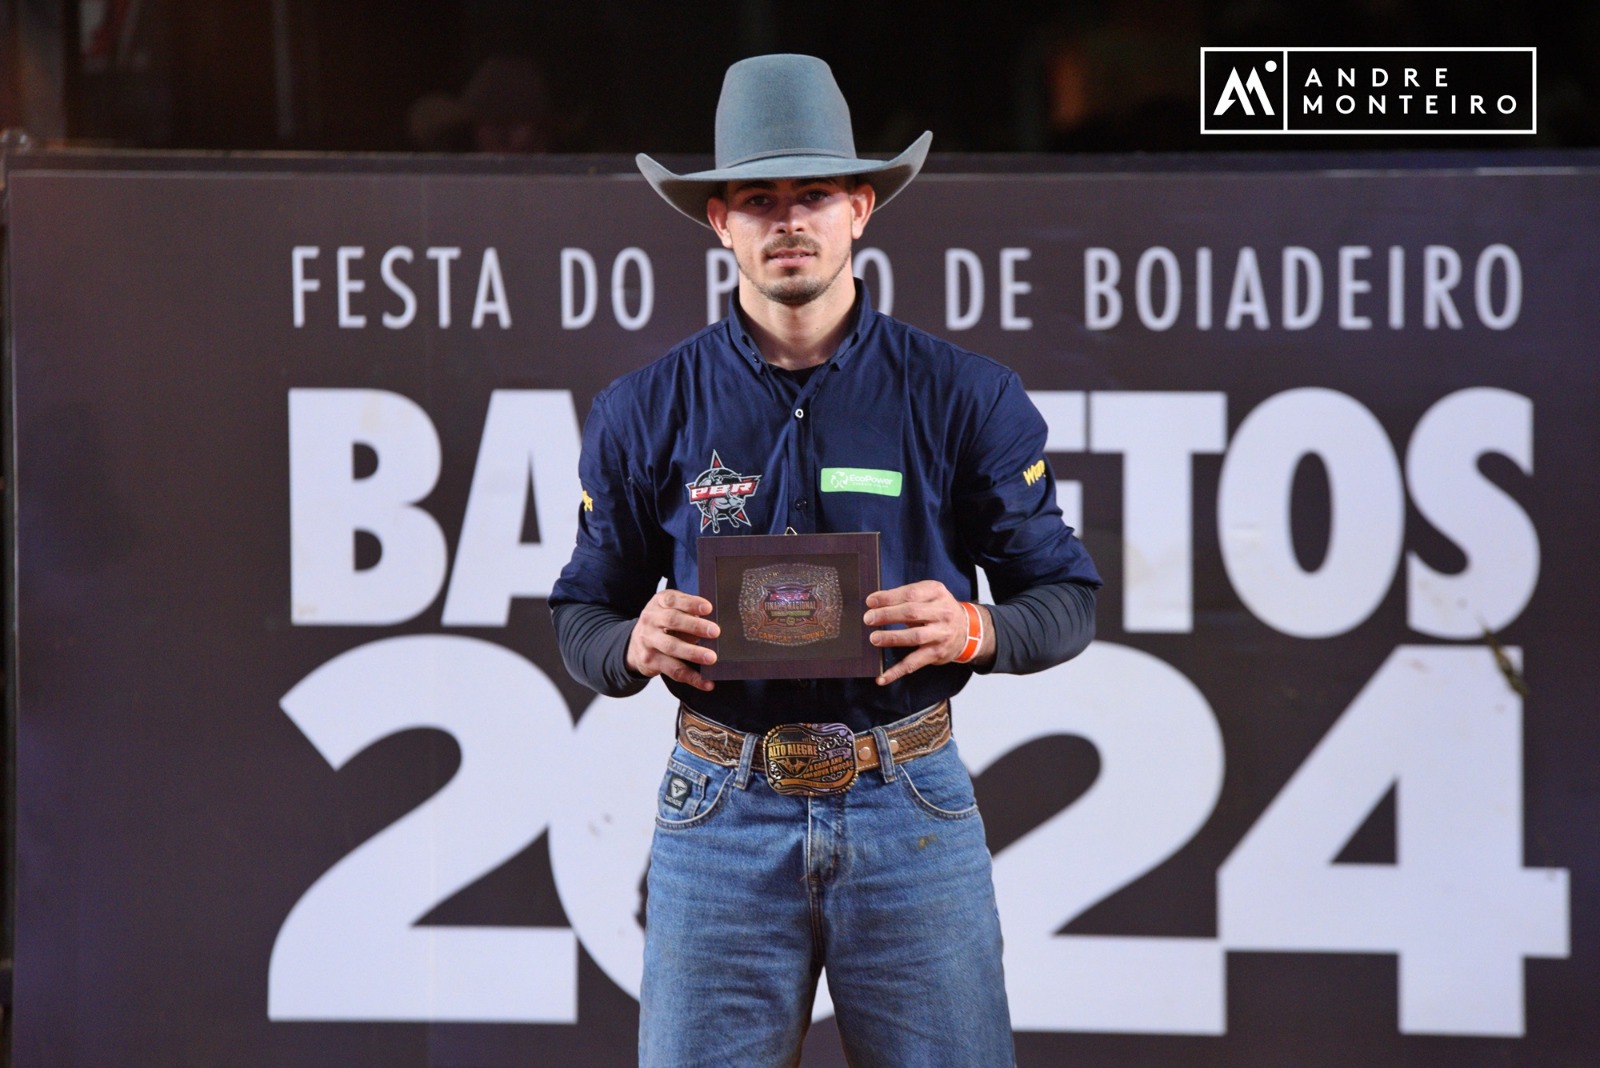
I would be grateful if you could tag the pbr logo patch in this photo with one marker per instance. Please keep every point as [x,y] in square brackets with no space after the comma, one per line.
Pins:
[720,493]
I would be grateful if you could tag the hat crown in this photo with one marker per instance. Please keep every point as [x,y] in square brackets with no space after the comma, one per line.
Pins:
[781,117]
[781,105]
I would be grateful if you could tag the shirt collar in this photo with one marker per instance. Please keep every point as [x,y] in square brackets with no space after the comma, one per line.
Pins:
[744,344]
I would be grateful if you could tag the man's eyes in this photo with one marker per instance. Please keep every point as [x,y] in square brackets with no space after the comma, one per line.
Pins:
[766,200]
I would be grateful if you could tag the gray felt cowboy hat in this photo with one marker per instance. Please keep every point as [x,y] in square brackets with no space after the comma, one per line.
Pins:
[782,116]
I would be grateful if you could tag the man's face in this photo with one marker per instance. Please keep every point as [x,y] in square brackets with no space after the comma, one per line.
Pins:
[791,237]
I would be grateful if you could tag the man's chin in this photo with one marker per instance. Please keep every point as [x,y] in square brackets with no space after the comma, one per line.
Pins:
[795,291]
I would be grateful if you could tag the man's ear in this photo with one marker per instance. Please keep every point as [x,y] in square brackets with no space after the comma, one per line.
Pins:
[717,216]
[862,200]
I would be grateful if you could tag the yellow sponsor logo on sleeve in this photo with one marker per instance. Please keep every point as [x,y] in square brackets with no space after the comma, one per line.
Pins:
[1034,473]
[588,502]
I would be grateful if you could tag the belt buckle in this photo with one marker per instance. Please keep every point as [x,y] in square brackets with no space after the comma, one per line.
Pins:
[810,759]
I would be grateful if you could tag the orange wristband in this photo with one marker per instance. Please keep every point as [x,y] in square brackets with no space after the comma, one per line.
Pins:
[974,634]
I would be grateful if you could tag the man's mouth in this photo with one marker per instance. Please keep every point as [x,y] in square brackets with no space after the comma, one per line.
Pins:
[790,253]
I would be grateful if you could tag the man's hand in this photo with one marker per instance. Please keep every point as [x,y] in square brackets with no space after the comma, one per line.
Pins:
[665,638]
[935,623]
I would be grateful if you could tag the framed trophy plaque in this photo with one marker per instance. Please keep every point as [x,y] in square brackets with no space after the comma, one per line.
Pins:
[790,605]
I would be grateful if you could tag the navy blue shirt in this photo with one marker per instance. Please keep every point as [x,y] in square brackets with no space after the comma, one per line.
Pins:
[936,448]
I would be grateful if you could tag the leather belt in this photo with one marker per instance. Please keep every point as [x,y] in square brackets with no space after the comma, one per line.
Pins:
[814,759]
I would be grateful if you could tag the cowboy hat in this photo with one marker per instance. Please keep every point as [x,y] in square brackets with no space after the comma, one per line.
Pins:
[781,116]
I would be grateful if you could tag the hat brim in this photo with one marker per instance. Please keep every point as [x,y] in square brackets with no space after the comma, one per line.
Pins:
[689,192]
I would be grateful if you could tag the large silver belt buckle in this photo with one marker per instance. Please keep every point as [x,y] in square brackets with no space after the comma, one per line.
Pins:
[810,759]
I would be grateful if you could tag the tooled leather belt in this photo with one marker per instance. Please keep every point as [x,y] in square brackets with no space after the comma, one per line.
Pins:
[814,759]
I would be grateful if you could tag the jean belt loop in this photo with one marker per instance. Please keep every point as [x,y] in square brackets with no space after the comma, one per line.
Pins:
[747,755]
[885,754]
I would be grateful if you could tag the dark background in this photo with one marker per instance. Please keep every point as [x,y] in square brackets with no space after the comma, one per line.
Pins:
[616,76]
[171,814]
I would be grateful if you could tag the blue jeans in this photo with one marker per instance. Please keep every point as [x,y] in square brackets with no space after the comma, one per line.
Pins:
[887,886]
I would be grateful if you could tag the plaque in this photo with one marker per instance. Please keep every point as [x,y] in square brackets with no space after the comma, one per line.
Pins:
[790,605]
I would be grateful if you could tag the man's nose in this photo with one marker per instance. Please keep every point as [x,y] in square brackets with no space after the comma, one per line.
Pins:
[789,216]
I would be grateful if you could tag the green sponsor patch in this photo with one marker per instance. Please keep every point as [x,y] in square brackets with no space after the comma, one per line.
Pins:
[860,480]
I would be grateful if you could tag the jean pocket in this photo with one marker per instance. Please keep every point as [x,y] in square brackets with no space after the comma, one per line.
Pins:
[939,785]
[691,791]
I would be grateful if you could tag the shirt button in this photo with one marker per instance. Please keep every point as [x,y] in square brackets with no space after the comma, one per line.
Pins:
[801,503]
[799,413]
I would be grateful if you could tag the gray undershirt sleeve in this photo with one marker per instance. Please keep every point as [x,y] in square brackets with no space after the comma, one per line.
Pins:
[1041,627]
[594,646]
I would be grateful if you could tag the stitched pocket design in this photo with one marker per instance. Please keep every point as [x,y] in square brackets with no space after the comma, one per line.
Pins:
[691,791]
[939,785]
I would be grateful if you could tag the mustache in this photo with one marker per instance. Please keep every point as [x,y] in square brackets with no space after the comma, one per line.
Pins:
[790,241]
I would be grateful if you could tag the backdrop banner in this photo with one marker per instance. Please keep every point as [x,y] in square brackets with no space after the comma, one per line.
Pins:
[301,780]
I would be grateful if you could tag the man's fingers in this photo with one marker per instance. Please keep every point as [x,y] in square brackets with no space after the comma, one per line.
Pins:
[681,672]
[683,602]
[909,636]
[926,590]
[693,626]
[679,649]
[911,612]
[929,621]
[665,639]
[920,602]
[678,611]
[680,669]
[920,658]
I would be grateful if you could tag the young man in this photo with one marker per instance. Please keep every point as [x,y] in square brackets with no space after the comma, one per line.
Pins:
[885,882]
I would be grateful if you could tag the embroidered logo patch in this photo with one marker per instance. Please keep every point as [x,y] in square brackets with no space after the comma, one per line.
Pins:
[677,791]
[720,493]
[1034,473]
[861,480]
[588,502]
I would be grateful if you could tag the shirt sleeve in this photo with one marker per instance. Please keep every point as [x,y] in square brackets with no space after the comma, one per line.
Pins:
[1005,501]
[618,560]
[615,566]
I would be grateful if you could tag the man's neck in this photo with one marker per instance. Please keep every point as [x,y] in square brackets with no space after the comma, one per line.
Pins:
[795,337]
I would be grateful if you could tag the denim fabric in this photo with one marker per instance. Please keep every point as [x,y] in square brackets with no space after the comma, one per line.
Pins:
[887,886]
